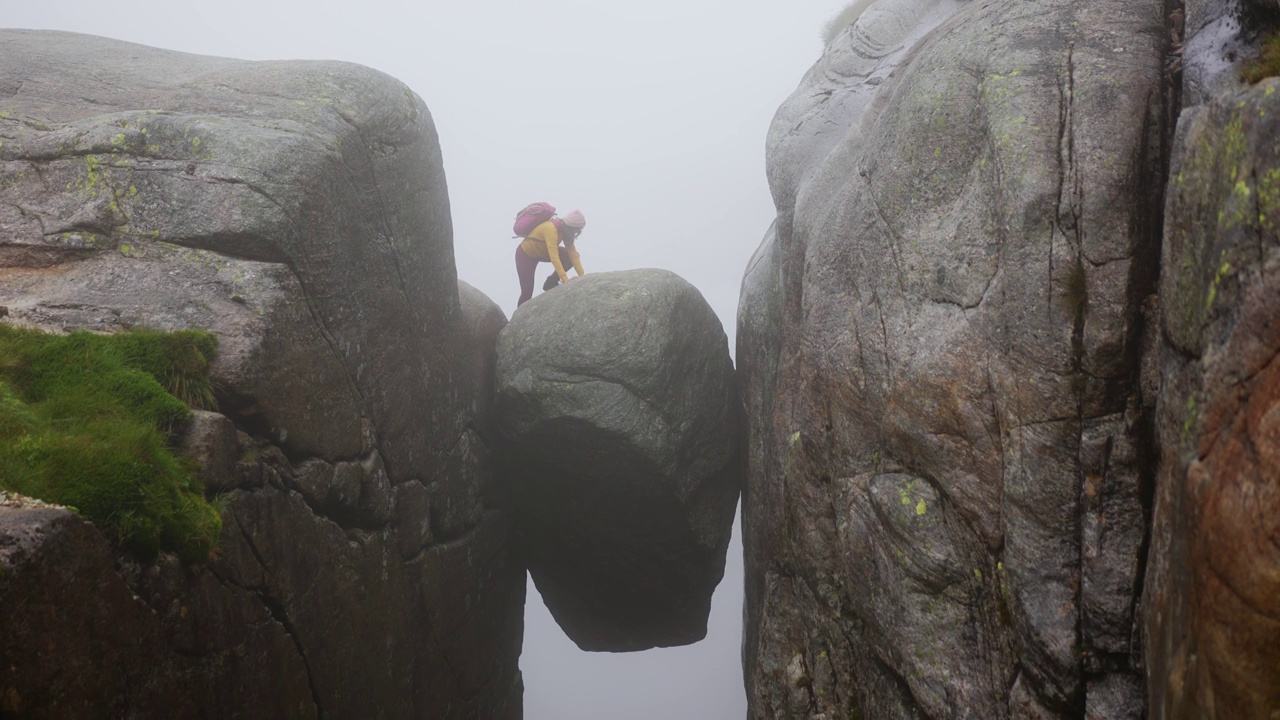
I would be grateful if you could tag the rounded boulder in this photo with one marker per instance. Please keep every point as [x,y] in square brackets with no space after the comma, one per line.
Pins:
[620,424]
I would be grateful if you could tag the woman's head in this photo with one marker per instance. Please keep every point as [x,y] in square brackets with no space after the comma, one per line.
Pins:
[575,221]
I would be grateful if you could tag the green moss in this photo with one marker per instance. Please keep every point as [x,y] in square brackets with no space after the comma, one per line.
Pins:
[85,422]
[1266,65]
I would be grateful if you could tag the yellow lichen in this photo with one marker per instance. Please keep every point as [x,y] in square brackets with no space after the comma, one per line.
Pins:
[1223,269]
[1269,199]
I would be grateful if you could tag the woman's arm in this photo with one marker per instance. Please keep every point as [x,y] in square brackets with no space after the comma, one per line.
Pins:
[553,254]
[573,258]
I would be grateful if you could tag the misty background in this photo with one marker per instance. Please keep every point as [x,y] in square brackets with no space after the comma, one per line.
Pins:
[650,118]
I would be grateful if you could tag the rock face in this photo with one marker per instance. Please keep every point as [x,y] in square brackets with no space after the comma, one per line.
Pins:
[103,651]
[296,616]
[1212,617]
[620,425]
[940,345]
[299,211]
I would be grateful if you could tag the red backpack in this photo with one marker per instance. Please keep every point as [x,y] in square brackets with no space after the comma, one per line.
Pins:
[531,217]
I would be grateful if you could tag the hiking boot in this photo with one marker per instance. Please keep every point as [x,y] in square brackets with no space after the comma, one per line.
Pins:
[552,281]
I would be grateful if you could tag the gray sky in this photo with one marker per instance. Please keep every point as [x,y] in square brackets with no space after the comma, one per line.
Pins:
[649,118]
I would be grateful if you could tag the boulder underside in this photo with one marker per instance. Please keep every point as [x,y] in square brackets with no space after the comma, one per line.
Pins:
[619,421]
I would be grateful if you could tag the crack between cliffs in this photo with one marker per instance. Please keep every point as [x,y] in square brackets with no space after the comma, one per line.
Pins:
[1076,292]
[278,612]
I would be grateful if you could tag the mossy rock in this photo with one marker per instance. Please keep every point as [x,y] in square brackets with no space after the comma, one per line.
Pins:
[1266,64]
[85,421]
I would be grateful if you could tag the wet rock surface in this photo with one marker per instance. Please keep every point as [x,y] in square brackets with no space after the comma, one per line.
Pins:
[939,343]
[1211,615]
[95,659]
[297,210]
[295,616]
[619,423]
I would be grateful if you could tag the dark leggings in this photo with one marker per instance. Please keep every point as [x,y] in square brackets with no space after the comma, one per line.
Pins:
[526,267]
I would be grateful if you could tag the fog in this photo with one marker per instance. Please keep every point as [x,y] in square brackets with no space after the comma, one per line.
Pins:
[651,119]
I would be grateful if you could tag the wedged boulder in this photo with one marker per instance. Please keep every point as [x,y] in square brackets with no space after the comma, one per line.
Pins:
[484,320]
[619,423]
[1211,614]
[944,515]
[298,210]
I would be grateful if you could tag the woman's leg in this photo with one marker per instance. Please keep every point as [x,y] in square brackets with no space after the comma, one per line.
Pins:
[525,268]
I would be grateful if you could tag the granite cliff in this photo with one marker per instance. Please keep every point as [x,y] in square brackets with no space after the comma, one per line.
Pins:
[976,350]
[298,211]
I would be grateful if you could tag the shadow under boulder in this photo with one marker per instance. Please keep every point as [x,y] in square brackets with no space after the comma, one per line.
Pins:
[620,422]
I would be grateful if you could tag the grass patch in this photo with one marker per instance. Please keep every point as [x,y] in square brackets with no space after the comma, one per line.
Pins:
[1266,65]
[86,420]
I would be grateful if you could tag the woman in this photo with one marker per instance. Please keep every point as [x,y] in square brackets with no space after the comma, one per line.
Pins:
[543,245]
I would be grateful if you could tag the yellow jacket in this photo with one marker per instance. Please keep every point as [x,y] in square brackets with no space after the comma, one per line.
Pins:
[543,244]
